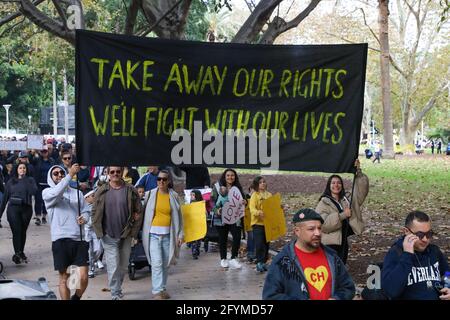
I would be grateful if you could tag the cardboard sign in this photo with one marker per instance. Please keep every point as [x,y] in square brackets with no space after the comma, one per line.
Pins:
[13,145]
[233,210]
[194,221]
[274,221]
[35,142]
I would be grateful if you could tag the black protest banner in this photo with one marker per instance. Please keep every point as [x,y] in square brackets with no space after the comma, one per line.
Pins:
[144,101]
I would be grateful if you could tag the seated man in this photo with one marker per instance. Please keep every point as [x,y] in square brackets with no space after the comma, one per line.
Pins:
[305,269]
[413,267]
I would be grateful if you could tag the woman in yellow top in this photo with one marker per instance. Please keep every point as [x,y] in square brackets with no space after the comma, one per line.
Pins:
[162,233]
[257,221]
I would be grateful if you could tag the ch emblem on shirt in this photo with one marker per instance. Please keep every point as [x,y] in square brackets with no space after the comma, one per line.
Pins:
[317,277]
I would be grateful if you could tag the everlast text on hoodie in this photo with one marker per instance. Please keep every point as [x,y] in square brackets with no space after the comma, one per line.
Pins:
[410,276]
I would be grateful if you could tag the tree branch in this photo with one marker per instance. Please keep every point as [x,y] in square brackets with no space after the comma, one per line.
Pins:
[43,21]
[255,22]
[168,29]
[350,41]
[279,26]
[370,29]
[431,102]
[131,16]
[60,11]
[11,27]
[13,16]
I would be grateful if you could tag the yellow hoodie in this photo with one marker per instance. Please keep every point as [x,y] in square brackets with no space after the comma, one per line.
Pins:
[256,206]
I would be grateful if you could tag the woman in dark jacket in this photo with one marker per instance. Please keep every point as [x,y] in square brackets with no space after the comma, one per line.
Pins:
[18,195]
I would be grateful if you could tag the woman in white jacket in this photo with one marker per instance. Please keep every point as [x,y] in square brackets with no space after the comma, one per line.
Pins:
[162,232]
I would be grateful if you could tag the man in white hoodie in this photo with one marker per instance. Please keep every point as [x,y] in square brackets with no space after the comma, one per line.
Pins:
[68,248]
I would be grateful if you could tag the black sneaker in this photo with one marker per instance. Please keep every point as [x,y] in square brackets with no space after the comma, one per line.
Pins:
[16,259]
[37,221]
[44,221]
[23,257]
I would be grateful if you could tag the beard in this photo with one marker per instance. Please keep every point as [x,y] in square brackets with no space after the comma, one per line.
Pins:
[313,243]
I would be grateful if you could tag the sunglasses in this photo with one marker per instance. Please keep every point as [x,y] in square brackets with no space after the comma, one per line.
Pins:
[115,172]
[161,179]
[67,158]
[421,235]
[58,173]
[44,151]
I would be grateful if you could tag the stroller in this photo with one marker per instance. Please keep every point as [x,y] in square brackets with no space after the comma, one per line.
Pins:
[138,259]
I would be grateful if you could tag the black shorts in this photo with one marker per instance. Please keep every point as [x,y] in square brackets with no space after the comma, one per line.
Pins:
[68,252]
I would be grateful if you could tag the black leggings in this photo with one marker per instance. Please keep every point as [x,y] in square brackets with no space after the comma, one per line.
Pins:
[19,218]
[261,245]
[223,240]
[39,206]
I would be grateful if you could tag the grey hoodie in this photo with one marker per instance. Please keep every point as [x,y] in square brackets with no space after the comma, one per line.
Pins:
[62,207]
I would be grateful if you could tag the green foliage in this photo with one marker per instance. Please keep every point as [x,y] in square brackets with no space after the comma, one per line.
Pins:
[196,27]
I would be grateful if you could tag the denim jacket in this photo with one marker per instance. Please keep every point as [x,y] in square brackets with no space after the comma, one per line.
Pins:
[286,279]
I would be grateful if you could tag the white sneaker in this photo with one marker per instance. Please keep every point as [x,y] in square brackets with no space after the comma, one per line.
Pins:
[224,263]
[234,264]
[100,265]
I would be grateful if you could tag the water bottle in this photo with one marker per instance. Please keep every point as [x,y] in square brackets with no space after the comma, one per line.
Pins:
[446,279]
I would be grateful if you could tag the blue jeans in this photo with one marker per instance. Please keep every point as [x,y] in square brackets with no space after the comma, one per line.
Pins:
[117,254]
[250,245]
[159,245]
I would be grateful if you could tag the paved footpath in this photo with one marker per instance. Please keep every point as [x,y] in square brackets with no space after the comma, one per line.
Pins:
[201,279]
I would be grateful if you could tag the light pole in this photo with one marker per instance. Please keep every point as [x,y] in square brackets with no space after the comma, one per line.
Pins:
[29,123]
[6,106]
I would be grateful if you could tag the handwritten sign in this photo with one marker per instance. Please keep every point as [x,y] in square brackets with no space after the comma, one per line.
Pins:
[233,210]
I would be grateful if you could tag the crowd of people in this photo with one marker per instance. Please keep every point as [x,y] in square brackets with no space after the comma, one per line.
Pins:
[96,214]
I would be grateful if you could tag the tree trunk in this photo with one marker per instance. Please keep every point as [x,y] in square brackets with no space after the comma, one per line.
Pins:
[383,20]
[408,133]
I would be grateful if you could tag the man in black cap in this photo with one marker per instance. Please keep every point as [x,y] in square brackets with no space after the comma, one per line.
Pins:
[305,269]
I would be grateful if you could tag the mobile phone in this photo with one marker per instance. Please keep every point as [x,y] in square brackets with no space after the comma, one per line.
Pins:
[438,287]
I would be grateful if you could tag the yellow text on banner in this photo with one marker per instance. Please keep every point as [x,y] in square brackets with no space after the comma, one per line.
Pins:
[194,221]
[274,221]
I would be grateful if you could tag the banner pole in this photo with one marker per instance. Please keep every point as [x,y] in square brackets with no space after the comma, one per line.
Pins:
[347,225]
[79,207]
